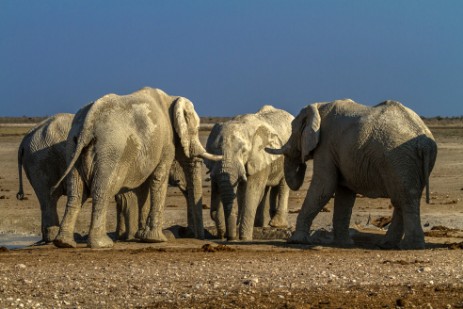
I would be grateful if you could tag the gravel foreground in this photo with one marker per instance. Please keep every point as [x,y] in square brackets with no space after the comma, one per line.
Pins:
[189,273]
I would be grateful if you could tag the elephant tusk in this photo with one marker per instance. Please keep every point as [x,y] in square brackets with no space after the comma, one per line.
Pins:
[212,157]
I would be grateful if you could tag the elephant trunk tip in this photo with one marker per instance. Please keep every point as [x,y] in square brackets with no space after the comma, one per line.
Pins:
[20,195]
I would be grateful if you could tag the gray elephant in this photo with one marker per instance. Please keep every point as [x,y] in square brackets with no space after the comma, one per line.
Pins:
[42,153]
[246,171]
[119,143]
[381,151]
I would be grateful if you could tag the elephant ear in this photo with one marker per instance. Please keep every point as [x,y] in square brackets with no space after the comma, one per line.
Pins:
[310,134]
[258,158]
[185,122]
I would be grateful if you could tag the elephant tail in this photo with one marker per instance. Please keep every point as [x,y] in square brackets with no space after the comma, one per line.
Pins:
[20,194]
[428,155]
[81,141]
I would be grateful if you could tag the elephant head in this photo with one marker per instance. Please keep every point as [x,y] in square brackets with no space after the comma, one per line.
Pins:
[241,144]
[300,146]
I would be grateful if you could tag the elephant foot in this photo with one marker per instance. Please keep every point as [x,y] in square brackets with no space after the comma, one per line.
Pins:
[246,238]
[343,242]
[99,241]
[299,237]
[386,245]
[50,234]
[65,241]
[220,234]
[234,238]
[155,235]
[412,245]
[279,221]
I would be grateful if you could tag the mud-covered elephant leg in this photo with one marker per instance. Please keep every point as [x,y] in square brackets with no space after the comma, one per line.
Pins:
[280,218]
[76,195]
[395,231]
[127,215]
[132,211]
[320,192]
[158,192]
[343,204]
[255,189]
[49,214]
[413,232]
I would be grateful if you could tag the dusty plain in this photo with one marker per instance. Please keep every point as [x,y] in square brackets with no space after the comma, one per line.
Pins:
[265,273]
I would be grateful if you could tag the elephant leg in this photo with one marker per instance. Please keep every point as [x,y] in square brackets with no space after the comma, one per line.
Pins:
[121,208]
[97,237]
[343,203]
[51,219]
[127,215]
[263,210]
[321,189]
[395,231]
[158,191]
[75,198]
[280,218]
[49,214]
[255,188]
[413,232]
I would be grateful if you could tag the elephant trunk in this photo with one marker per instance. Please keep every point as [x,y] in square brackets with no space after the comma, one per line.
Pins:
[227,194]
[294,173]
[195,195]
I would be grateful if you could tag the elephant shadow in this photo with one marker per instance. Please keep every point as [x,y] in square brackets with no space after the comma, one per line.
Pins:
[362,239]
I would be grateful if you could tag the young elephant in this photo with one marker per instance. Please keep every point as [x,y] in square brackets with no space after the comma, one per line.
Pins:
[118,143]
[266,213]
[42,153]
[381,151]
[246,171]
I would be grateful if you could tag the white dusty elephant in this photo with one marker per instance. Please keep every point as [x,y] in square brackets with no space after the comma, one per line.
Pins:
[267,206]
[246,171]
[119,143]
[380,151]
[42,154]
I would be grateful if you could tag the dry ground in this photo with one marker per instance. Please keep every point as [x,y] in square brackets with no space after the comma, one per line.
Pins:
[260,274]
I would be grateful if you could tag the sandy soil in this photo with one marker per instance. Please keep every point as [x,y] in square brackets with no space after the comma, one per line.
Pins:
[261,274]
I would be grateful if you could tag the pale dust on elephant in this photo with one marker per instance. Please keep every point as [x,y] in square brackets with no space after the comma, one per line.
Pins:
[381,151]
[247,173]
[119,143]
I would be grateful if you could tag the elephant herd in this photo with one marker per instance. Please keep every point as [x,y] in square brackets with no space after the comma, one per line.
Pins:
[130,147]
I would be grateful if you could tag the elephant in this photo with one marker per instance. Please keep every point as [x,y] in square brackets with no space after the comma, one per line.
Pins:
[384,151]
[267,206]
[246,171]
[42,153]
[121,142]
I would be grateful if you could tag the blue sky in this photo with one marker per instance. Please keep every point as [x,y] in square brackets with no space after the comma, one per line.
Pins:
[231,57]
